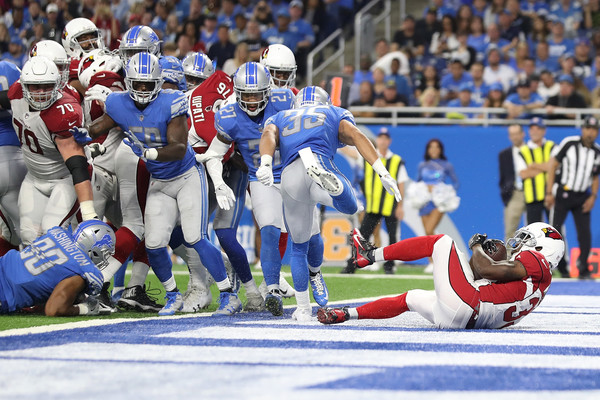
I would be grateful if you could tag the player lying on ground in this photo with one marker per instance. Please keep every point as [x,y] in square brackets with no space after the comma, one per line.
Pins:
[506,291]
[56,269]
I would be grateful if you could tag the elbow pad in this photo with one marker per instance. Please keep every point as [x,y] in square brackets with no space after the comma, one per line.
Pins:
[78,167]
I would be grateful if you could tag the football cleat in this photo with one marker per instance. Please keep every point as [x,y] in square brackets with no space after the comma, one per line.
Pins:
[116,294]
[136,299]
[326,180]
[195,299]
[319,289]
[302,314]
[229,304]
[361,250]
[273,303]
[173,304]
[285,288]
[105,301]
[333,315]
[255,302]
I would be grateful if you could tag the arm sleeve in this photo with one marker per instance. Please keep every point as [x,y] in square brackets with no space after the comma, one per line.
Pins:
[452,175]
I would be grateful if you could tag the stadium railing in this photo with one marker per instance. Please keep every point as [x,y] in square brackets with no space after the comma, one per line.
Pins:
[412,115]
[365,23]
[311,70]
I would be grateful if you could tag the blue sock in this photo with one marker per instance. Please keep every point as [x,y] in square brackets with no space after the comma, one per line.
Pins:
[315,251]
[161,264]
[119,278]
[299,265]
[235,252]
[211,258]
[270,258]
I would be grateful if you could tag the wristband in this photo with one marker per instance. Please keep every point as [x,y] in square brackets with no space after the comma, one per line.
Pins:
[87,210]
[380,168]
[83,309]
[151,154]
[266,159]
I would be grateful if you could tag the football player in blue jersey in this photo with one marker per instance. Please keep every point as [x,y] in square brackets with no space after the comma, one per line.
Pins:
[308,137]
[55,269]
[12,166]
[137,39]
[155,123]
[172,73]
[243,122]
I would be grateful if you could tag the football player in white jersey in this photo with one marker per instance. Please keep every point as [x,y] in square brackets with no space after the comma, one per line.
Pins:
[281,63]
[57,177]
[469,294]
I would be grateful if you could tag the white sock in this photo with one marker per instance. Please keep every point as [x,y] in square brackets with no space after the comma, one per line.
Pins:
[111,269]
[170,284]
[314,270]
[139,272]
[224,284]
[353,313]
[378,253]
[251,287]
[303,299]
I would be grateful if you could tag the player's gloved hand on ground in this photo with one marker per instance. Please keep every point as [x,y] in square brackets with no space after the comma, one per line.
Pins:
[477,238]
[391,186]
[135,144]
[264,173]
[225,196]
[91,306]
[98,93]
[81,135]
[96,149]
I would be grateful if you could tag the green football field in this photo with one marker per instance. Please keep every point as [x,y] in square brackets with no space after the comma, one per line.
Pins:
[363,284]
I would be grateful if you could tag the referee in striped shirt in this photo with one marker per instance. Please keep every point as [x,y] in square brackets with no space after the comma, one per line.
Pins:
[572,185]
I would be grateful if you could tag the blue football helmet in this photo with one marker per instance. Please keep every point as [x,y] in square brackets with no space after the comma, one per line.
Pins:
[97,240]
[172,71]
[137,39]
[252,86]
[197,68]
[143,70]
[312,96]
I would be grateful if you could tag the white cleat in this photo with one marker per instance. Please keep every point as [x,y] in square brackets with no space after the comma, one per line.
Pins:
[326,180]
[195,299]
[302,314]
[285,288]
[254,302]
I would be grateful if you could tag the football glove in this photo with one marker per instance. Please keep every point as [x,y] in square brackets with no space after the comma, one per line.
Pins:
[135,144]
[225,196]
[477,238]
[81,135]
[98,93]
[391,186]
[96,149]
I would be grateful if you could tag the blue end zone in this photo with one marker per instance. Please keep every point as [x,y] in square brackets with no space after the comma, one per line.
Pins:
[575,288]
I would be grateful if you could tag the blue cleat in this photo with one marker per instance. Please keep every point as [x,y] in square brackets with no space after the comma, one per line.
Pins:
[174,303]
[273,303]
[319,289]
[229,304]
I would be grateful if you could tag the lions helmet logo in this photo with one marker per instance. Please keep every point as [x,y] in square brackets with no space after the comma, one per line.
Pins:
[552,233]
[105,241]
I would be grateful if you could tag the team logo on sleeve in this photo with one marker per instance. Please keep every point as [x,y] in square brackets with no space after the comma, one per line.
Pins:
[552,233]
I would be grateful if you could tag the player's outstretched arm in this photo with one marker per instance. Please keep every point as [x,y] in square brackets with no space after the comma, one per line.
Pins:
[100,126]
[177,136]
[269,140]
[500,271]
[63,296]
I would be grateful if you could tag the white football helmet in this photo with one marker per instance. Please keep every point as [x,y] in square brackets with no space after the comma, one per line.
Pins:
[252,87]
[280,61]
[312,96]
[96,61]
[41,82]
[143,68]
[81,36]
[197,68]
[97,240]
[55,53]
[539,237]
[137,39]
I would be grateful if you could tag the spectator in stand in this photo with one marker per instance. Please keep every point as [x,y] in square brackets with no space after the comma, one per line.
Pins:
[407,37]
[172,29]
[426,27]
[119,8]
[16,22]
[518,61]
[159,22]
[493,39]
[567,97]
[245,7]
[520,104]
[256,44]
[227,14]
[429,79]
[195,15]
[480,89]
[496,72]
[557,42]
[189,30]
[452,80]
[316,15]
[209,32]
[364,73]
[402,84]
[35,13]
[4,38]
[304,32]
[365,98]
[185,46]
[240,57]
[264,16]
[495,99]
[237,33]
[477,37]
[53,28]
[378,82]
[430,97]
[464,100]
[282,33]
[520,22]
[466,54]
[531,8]
[567,63]
[385,57]
[478,8]
[543,61]
[277,5]
[223,49]
[593,81]
[583,58]
[548,87]
[440,8]
[491,13]
[508,31]
[463,19]
[570,13]
[107,24]
[442,43]
[390,97]
[16,52]
[591,14]
[539,31]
